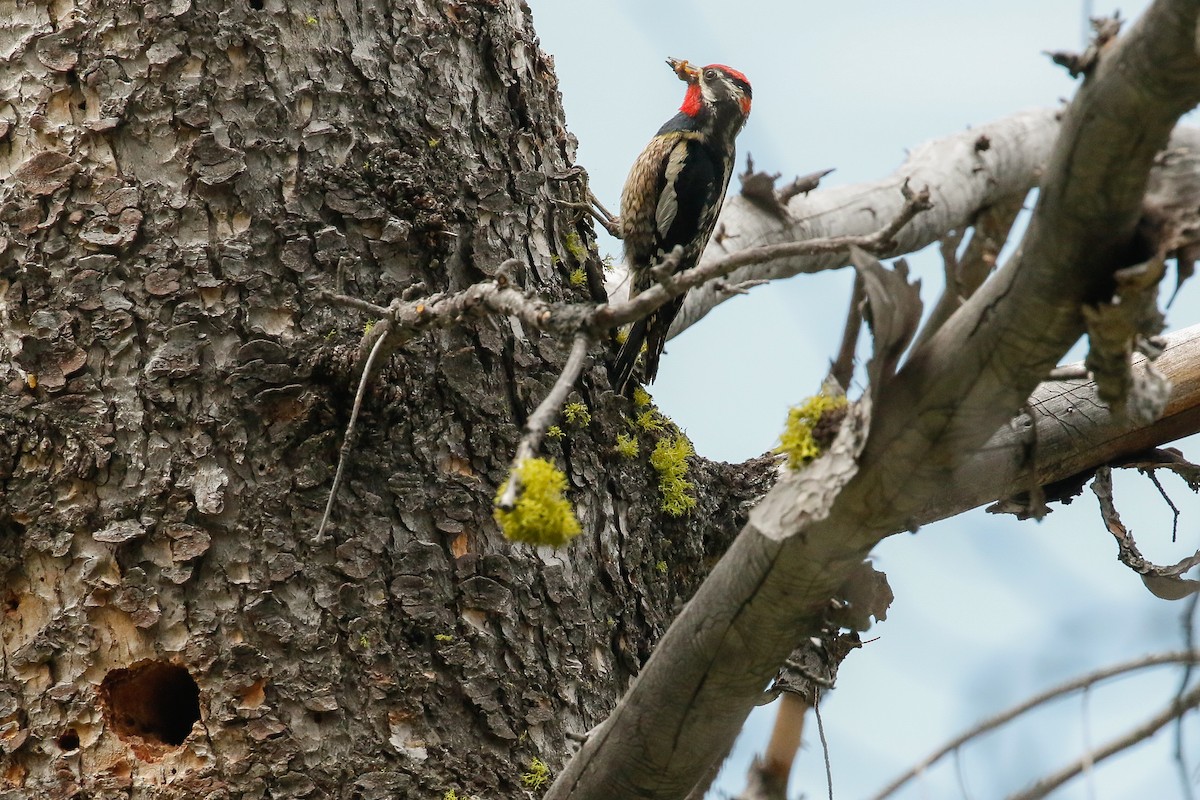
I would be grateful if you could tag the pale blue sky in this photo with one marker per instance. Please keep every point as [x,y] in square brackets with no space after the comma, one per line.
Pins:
[989,610]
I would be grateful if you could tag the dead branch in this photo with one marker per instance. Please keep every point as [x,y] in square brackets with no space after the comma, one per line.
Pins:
[1190,657]
[1164,582]
[348,438]
[1173,711]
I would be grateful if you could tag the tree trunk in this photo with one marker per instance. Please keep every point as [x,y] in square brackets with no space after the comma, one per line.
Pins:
[180,181]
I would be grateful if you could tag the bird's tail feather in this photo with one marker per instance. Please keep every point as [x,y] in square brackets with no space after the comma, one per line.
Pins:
[627,358]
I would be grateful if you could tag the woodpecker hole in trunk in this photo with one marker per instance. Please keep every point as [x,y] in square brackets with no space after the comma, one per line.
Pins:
[151,701]
[68,740]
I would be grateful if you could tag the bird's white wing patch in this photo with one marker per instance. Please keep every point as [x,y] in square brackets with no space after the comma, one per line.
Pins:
[668,201]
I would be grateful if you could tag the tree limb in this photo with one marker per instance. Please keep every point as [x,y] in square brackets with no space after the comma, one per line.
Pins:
[1075,434]
[963,180]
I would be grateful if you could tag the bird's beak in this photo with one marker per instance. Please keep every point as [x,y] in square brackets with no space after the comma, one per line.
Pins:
[686,72]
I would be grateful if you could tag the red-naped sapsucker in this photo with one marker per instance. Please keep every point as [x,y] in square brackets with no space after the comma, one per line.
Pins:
[673,195]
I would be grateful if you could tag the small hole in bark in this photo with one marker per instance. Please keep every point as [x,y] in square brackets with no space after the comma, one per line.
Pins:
[111,229]
[256,4]
[68,740]
[12,602]
[154,701]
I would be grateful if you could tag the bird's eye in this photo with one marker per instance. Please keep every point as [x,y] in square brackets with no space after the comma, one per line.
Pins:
[710,74]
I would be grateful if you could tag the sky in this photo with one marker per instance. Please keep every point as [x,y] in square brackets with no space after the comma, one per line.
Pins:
[988,610]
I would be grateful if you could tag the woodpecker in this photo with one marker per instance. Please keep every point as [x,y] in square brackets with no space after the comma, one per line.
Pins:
[674,193]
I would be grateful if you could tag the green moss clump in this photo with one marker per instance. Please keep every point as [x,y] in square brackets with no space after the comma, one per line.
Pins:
[443,637]
[641,397]
[661,568]
[797,441]
[577,414]
[554,432]
[542,515]
[537,776]
[669,459]
[577,277]
[575,247]
[627,446]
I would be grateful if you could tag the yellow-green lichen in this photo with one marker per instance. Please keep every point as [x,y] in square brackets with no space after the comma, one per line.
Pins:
[541,514]
[622,336]
[650,421]
[577,414]
[797,441]
[575,247]
[367,328]
[577,277]
[626,446]
[641,397]
[669,459]
[537,775]
[554,432]
[443,637]
[450,795]
[607,264]
[661,568]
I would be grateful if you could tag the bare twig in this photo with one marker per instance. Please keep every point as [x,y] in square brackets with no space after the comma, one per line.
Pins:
[824,747]
[443,310]
[1190,657]
[878,242]
[1153,476]
[546,412]
[1174,710]
[1188,620]
[1164,582]
[348,438]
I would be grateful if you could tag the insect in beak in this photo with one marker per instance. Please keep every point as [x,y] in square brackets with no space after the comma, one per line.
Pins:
[686,72]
